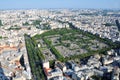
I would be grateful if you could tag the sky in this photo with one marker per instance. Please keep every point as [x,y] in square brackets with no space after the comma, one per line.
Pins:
[40,4]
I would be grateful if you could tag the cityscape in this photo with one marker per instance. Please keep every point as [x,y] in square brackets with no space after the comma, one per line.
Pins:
[59,43]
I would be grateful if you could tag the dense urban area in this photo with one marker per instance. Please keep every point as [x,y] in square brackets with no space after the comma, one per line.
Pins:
[60,44]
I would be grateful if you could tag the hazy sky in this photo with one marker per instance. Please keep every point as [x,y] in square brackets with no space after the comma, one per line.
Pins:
[25,4]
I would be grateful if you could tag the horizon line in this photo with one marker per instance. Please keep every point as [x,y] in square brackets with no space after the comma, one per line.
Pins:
[59,8]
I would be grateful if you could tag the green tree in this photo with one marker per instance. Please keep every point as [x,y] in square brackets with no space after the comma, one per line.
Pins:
[25,24]
[0,23]
[0,37]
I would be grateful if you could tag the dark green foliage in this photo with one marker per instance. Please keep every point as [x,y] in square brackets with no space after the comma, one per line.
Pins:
[71,37]
[35,58]
[0,37]
[14,28]
[25,24]
[109,24]
[117,24]
[1,23]
[52,62]
[36,22]
[97,77]
[54,50]
[54,32]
